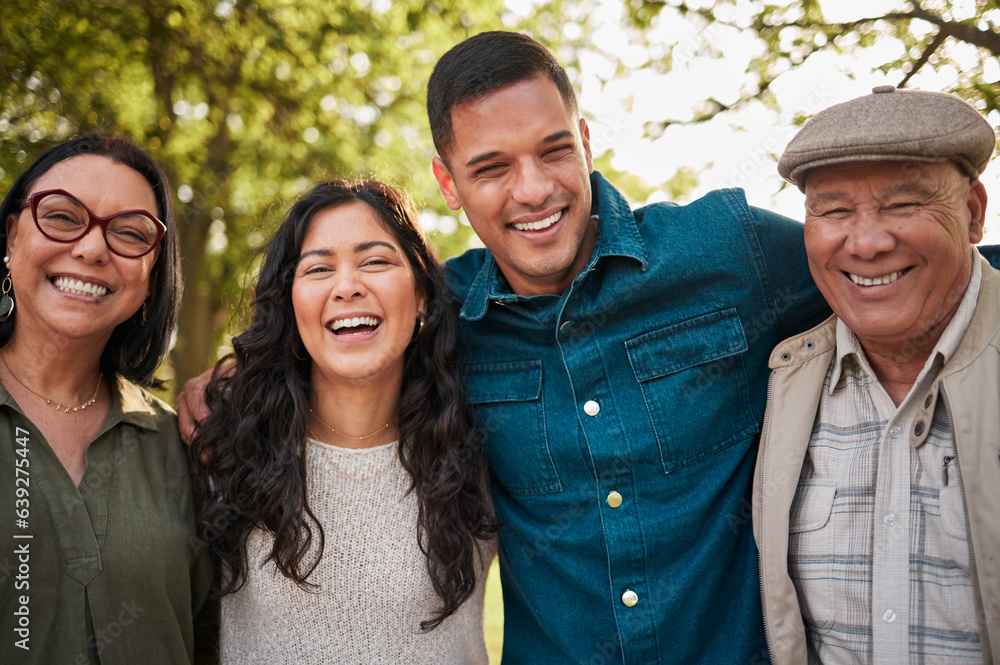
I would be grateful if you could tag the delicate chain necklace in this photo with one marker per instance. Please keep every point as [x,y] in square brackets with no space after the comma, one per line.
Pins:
[59,405]
[332,460]
[353,438]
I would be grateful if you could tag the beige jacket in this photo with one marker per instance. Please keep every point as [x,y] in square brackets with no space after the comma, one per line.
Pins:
[970,386]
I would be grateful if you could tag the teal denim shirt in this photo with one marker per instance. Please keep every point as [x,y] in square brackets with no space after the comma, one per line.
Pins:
[645,380]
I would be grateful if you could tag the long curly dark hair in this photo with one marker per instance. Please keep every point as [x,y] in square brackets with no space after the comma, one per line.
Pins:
[249,454]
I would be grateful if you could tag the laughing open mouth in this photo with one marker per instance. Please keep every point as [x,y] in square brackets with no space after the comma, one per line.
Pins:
[355,325]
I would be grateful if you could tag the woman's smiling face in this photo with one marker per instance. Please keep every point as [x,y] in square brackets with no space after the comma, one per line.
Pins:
[355,297]
[80,289]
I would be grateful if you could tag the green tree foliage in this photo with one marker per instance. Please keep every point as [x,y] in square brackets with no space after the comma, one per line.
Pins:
[960,38]
[245,103]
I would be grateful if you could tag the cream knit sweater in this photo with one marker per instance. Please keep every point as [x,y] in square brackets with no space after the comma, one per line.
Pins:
[373,589]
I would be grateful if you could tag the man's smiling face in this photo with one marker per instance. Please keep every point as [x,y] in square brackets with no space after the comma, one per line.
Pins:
[889,245]
[520,165]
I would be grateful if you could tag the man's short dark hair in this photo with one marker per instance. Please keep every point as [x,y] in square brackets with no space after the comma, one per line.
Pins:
[481,65]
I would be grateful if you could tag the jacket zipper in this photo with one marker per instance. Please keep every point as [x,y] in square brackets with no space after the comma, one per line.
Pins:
[760,519]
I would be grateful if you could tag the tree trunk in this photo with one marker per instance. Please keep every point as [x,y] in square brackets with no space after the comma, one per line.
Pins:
[192,354]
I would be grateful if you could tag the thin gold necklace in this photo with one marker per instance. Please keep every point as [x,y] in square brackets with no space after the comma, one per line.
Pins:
[353,438]
[59,405]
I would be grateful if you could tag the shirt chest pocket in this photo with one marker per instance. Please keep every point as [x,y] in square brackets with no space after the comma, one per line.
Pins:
[511,414]
[695,386]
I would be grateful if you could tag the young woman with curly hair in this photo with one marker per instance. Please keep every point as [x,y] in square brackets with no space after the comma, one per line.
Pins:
[342,486]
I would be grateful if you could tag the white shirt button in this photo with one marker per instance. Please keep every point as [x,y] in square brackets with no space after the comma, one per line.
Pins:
[591,408]
[614,499]
[895,432]
[888,616]
[889,519]
[629,598]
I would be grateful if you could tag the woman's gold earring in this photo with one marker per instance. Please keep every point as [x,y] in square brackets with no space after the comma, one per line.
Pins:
[6,301]
[418,325]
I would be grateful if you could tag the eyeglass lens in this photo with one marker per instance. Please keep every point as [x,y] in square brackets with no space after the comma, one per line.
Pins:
[65,219]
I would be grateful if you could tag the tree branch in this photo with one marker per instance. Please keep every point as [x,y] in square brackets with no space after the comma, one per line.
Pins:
[935,42]
[961,31]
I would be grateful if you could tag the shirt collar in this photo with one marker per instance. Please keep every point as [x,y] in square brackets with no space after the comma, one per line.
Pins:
[617,235]
[129,404]
[135,405]
[849,346]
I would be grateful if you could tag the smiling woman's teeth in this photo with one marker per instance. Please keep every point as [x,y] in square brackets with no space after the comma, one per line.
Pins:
[354,322]
[540,224]
[79,288]
[874,281]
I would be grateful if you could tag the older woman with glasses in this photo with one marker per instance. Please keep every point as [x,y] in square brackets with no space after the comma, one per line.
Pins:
[101,560]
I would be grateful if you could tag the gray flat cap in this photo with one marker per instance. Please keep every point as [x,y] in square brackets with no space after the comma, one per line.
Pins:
[891,124]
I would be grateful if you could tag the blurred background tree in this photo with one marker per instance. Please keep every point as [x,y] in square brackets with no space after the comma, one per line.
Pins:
[962,38]
[248,103]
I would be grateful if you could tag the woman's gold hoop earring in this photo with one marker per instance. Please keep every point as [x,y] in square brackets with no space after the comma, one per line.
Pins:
[6,300]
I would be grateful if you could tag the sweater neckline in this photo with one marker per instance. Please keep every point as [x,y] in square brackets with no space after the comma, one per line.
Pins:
[330,447]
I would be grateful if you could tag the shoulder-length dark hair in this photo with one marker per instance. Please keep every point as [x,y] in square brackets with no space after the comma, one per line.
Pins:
[137,345]
[249,454]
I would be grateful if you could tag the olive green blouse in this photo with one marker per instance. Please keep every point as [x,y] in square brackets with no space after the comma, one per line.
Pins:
[108,572]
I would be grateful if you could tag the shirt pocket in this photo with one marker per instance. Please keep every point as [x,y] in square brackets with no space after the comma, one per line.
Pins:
[511,414]
[695,386]
[811,554]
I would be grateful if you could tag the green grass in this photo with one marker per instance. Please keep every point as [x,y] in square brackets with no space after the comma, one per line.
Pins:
[493,614]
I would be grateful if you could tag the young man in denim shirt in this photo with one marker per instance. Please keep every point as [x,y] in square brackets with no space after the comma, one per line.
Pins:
[618,362]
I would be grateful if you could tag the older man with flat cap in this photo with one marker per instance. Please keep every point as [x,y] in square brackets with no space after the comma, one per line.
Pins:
[877,493]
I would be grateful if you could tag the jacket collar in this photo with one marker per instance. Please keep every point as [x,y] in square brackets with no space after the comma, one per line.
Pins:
[805,346]
[617,235]
[985,325]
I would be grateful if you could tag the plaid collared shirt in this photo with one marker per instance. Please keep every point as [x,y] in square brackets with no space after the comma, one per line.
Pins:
[879,547]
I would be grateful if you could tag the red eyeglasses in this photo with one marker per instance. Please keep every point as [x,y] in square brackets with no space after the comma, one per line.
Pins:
[62,217]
